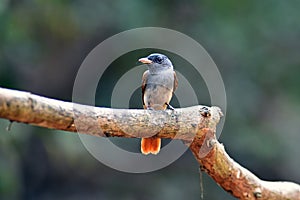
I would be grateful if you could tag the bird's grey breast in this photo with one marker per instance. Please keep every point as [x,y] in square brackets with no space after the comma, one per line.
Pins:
[162,79]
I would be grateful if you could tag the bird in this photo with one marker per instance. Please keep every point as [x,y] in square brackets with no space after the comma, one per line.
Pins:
[158,85]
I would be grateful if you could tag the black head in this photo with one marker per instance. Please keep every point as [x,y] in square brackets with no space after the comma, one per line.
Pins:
[157,60]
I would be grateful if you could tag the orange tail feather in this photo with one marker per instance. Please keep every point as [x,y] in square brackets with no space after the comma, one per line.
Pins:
[150,145]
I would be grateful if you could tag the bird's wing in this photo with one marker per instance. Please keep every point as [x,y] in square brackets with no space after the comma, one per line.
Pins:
[144,83]
[175,82]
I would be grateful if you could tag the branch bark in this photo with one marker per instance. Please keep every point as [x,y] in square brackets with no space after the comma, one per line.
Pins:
[196,125]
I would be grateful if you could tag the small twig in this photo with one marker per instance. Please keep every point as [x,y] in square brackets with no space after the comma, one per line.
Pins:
[201,183]
[8,128]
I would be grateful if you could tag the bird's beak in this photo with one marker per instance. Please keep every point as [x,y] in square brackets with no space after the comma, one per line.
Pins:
[145,60]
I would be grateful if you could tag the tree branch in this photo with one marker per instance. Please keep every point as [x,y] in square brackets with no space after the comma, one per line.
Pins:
[195,124]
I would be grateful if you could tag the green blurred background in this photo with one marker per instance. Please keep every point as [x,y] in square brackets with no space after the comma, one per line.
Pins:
[255,44]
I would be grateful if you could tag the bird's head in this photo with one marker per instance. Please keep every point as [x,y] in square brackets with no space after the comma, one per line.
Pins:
[157,62]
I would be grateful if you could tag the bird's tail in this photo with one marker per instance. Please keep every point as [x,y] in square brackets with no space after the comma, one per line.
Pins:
[150,145]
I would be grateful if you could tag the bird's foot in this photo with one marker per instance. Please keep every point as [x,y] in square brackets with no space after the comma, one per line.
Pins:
[205,112]
[170,107]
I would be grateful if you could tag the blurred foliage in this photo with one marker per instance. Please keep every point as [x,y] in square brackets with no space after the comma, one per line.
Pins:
[255,44]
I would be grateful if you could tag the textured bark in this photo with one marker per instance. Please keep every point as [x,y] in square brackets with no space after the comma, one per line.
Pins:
[196,125]
[181,124]
[234,178]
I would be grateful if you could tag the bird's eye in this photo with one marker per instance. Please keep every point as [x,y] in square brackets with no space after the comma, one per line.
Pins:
[158,59]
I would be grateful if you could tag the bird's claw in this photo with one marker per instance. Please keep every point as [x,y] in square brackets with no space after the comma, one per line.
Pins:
[205,112]
[170,107]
